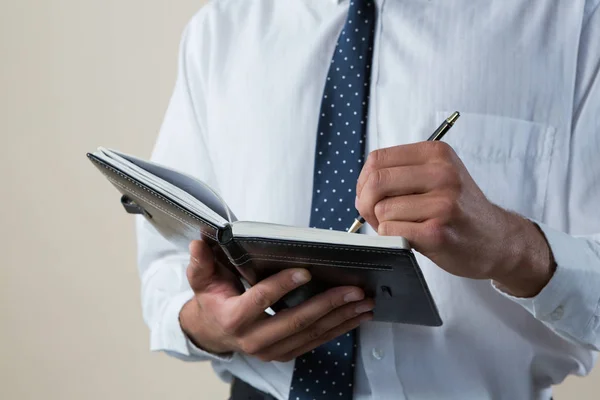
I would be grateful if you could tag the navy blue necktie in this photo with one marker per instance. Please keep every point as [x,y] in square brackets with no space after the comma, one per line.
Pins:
[328,371]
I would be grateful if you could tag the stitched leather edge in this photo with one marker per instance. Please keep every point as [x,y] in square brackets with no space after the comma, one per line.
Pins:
[311,260]
[312,263]
[112,180]
[327,246]
[159,207]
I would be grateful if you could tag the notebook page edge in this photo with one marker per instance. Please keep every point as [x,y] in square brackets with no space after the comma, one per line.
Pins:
[200,190]
[117,160]
[246,229]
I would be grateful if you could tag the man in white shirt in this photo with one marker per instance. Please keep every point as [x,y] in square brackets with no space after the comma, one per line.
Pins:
[504,215]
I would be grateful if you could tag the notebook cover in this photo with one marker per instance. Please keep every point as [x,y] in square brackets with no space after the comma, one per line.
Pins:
[391,276]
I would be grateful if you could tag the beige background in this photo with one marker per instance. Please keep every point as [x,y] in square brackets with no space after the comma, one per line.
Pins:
[76,74]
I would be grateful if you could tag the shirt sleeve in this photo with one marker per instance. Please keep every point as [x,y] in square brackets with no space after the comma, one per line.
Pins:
[181,145]
[570,302]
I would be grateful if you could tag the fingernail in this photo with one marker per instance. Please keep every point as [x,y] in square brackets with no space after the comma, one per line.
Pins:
[301,277]
[356,202]
[363,308]
[353,296]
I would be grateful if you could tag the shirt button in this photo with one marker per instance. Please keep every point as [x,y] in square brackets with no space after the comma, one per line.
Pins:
[557,313]
[377,354]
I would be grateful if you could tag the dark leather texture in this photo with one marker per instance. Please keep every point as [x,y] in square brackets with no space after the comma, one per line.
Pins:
[240,390]
[391,276]
[175,223]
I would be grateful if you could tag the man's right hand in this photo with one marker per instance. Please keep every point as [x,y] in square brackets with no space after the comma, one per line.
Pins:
[220,319]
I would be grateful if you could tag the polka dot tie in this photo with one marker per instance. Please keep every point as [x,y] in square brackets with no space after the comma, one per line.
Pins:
[328,371]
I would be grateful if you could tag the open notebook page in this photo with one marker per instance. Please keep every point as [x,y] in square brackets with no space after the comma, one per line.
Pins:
[189,192]
[190,185]
[282,232]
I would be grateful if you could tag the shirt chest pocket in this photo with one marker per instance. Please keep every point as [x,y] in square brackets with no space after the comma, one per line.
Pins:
[508,158]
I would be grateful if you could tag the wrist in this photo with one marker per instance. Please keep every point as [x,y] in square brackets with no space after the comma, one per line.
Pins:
[193,327]
[529,263]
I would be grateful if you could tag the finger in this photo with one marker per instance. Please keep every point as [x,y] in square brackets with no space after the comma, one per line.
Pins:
[414,208]
[328,336]
[252,304]
[396,181]
[212,283]
[315,331]
[423,236]
[201,269]
[404,155]
[396,156]
[288,322]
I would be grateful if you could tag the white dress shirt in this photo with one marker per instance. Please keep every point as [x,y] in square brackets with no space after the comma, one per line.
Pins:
[525,76]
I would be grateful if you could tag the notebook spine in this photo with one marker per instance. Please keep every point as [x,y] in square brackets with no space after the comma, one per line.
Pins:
[234,252]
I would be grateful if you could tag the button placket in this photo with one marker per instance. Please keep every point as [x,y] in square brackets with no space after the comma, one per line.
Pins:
[558,313]
[377,354]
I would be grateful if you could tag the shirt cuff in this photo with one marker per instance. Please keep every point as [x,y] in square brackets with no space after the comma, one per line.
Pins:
[569,303]
[169,337]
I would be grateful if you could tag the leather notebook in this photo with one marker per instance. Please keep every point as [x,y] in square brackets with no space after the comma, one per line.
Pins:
[182,208]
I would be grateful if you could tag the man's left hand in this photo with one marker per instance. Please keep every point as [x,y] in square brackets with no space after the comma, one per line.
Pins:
[424,193]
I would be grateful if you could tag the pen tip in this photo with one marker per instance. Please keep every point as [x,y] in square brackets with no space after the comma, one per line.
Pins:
[358,222]
[452,119]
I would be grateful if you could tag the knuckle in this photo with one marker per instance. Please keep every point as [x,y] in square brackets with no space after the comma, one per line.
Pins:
[446,206]
[298,323]
[445,175]
[376,178]
[436,233]
[229,324]
[315,332]
[386,228]
[438,172]
[382,209]
[375,181]
[452,177]
[391,209]
[376,158]
[260,297]
[440,150]
[248,347]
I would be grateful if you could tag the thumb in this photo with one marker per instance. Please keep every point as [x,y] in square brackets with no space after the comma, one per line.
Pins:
[207,277]
[201,270]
